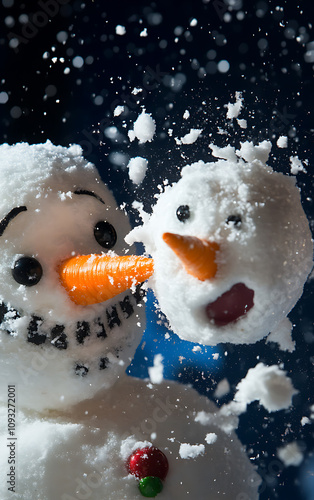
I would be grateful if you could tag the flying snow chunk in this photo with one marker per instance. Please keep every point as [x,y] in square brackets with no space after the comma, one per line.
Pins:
[136,90]
[296,165]
[118,110]
[191,450]
[137,169]
[267,384]
[249,152]
[144,127]
[211,438]
[233,109]
[305,421]
[290,454]
[120,30]
[242,123]
[282,141]
[156,372]
[191,137]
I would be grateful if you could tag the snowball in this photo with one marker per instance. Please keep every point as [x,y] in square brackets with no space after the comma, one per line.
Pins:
[234,109]
[296,165]
[137,169]
[156,372]
[267,384]
[191,450]
[191,137]
[120,30]
[290,454]
[144,127]
[186,114]
[282,141]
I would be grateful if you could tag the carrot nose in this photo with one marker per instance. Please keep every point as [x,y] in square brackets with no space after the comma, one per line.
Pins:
[197,256]
[90,279]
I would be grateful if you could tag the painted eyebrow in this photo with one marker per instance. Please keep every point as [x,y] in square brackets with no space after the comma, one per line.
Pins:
[89,193]
[13,213]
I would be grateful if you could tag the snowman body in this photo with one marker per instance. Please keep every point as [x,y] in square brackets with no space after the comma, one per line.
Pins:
[83,453]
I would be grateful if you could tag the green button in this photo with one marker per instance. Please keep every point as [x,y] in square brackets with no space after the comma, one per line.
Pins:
[150,486]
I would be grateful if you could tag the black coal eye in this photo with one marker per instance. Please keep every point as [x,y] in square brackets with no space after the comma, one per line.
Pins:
[27,271]
[183,213]
[105,234]
[235,220]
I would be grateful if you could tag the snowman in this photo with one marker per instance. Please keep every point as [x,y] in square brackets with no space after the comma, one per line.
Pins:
[61,234]
[232,249]
[73,424]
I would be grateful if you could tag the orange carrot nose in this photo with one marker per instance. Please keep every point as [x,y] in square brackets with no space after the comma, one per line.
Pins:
[90,279]
[197,256]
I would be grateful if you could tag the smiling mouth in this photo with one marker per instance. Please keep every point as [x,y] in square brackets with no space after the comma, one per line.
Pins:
[231,305]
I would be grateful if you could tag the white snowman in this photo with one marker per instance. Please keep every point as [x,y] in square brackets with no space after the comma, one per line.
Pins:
[232,249]
[73,425]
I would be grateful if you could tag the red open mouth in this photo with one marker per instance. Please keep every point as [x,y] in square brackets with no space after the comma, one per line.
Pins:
[231,305]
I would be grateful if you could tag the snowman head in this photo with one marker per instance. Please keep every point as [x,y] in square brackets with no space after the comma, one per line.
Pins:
[61,343]
[232,249]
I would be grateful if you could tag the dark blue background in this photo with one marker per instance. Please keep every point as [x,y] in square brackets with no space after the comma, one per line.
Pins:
[277,84]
